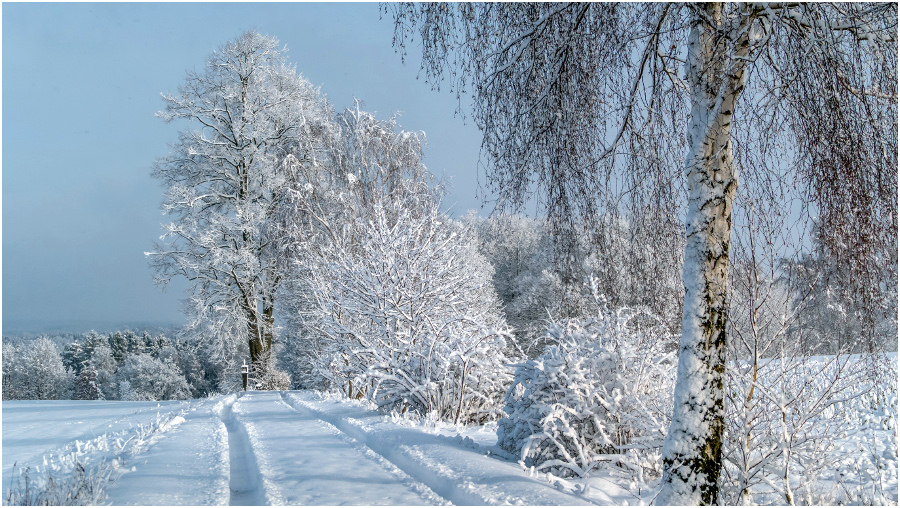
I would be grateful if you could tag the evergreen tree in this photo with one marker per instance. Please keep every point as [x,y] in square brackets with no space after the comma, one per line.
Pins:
[87,386]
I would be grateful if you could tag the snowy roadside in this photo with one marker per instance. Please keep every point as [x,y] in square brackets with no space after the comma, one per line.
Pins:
[33,429]
[79,471]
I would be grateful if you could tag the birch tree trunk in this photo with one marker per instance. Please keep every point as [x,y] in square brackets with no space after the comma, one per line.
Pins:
[692,455]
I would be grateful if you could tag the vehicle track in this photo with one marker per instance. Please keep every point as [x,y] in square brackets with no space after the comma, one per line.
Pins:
[410,481]
[244,477]
[444,487]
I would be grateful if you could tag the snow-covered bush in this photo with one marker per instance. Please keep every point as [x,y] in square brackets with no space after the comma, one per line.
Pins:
[150,379]
[600,394]
[794,421]
[370,161]
[265,374]
[787,426]
[409,317]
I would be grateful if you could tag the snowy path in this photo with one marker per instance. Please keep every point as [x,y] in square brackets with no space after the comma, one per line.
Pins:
[289,448]
[323,467]
[244,480]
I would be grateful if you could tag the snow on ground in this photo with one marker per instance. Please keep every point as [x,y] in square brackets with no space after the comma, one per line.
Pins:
[187,465]
[32,429]
[301,459]
[451,462]
[295,447]
[278,448]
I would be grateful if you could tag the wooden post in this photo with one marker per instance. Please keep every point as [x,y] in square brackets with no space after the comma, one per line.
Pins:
[245,372]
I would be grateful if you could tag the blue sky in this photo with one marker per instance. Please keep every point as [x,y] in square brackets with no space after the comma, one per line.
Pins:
[81,83]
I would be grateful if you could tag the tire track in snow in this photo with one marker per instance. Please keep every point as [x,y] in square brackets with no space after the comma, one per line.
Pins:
[419,487]
[244,480]
[447,487]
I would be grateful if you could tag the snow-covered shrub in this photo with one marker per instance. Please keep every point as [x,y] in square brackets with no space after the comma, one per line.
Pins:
[409,317]
[265,374]
[787,428]
[77,487]
[795,422]
[599,394]
[150,379]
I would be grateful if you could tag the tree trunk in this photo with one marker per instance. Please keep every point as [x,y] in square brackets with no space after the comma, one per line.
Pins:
[254,337]
[260,336]
[268,330]
[692,455]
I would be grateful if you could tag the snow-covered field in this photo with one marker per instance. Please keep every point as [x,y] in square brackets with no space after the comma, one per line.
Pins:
[293,447]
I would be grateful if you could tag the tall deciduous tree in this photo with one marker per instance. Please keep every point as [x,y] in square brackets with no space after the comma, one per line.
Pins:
[225,182]
[583,103]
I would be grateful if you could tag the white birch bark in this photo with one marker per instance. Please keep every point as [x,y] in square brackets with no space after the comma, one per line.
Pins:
[693,447]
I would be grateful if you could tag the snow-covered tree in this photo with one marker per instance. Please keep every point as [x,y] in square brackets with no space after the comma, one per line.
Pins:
[829,318]
[127,342]
[87,386]
[380,161]
[76,354]
[143,377]
[409,317]
[10,390]
[518,248]
[36,371]
[105,367]
[632,265]
[225,183]
[582,102]
[197,368]
[369,161]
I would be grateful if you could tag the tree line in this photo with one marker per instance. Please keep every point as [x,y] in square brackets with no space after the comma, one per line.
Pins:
[122,365]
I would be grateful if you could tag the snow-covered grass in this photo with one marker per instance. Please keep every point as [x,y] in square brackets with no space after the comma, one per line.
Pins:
[75,472]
